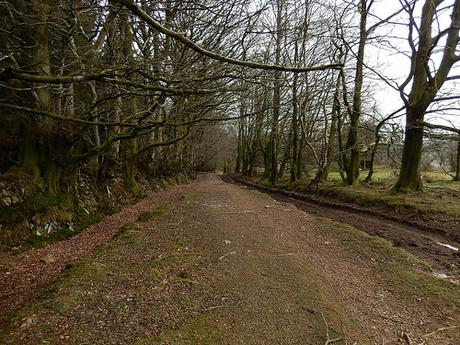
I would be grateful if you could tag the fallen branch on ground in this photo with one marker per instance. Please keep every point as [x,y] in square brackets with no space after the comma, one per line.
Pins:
[407,338]
[328,336]
[230,253]
[439,330]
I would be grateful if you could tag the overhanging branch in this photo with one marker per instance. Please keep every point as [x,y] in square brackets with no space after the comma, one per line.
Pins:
[102,76]
[180,36]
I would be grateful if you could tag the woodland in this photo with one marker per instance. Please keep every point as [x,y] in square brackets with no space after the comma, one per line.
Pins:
[284,90]
[136,136]
[114,87]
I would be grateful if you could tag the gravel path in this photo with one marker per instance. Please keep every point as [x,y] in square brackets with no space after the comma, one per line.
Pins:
[22,275]
[437,245]
[224,264]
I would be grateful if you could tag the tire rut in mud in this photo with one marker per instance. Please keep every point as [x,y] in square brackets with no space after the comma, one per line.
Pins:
[425,242]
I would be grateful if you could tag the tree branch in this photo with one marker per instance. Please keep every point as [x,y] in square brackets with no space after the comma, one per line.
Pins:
[180,36]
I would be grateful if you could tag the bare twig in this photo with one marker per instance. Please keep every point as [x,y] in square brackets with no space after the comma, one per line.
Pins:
[225,255]
[441,329]
[329,340]
[407,338]
[181,37]
[214,307]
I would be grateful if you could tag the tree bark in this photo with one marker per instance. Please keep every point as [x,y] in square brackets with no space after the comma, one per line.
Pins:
[352,166]
[423,91]
[274,140]
[409,177]
[295,132]
[457,167]
[40,142]
[324,170]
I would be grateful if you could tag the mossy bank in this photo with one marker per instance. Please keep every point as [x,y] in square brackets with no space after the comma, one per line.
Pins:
[31,215]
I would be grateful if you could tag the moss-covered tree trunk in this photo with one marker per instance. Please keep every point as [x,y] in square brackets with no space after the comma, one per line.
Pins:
[130,155]
[274,139]
[29,153]
[239,167]
[257,135]
[372,160]
[425,86]
[300,163]
[274,135]
[238,149]
[41,143]
[286,156]
[409,176]
[457,165]
[295,129]
[324,170]
[352,162]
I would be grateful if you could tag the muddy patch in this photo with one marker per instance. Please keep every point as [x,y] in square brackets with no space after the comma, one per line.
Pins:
[435,245]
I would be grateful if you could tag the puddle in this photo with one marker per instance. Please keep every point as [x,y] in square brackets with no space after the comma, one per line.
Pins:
[448,246]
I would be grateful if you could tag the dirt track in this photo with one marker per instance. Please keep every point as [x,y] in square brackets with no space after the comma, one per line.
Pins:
[229,265]
[419,240]
[23,275]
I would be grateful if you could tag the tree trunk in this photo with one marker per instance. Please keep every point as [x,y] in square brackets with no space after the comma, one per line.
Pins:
[424,89]
[286,156]
[457,167]
[256,140]
[240,159]
[274,140]
[40,140]
[341,159]
[324,170]
[300,163]
[267,162]
[29,153]
[295,130]
[295,124]
[409,176]
[352,166]
[373,153]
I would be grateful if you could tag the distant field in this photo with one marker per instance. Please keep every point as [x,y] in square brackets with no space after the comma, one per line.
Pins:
[431,179]
[390,174]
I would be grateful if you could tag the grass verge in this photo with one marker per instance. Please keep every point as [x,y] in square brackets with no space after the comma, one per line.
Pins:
[150,215]
[405,274]
[440,196]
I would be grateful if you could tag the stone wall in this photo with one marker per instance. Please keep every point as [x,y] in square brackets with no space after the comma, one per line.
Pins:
[27,211]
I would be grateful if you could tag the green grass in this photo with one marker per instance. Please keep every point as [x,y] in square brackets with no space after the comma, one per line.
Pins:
[189,196]
[429,201]
[62,296]
[43,206]
[405,274]
[446,185]
[35,241]
[84,273]
[126,232]
[390,175]
[11,214]
[150,215]
[73,287]
[441,195]
[42,201]
[201,331]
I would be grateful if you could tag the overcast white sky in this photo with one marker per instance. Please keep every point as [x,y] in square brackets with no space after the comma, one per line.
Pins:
[396,65]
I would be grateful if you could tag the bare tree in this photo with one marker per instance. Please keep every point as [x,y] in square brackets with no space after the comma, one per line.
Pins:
[425,81]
